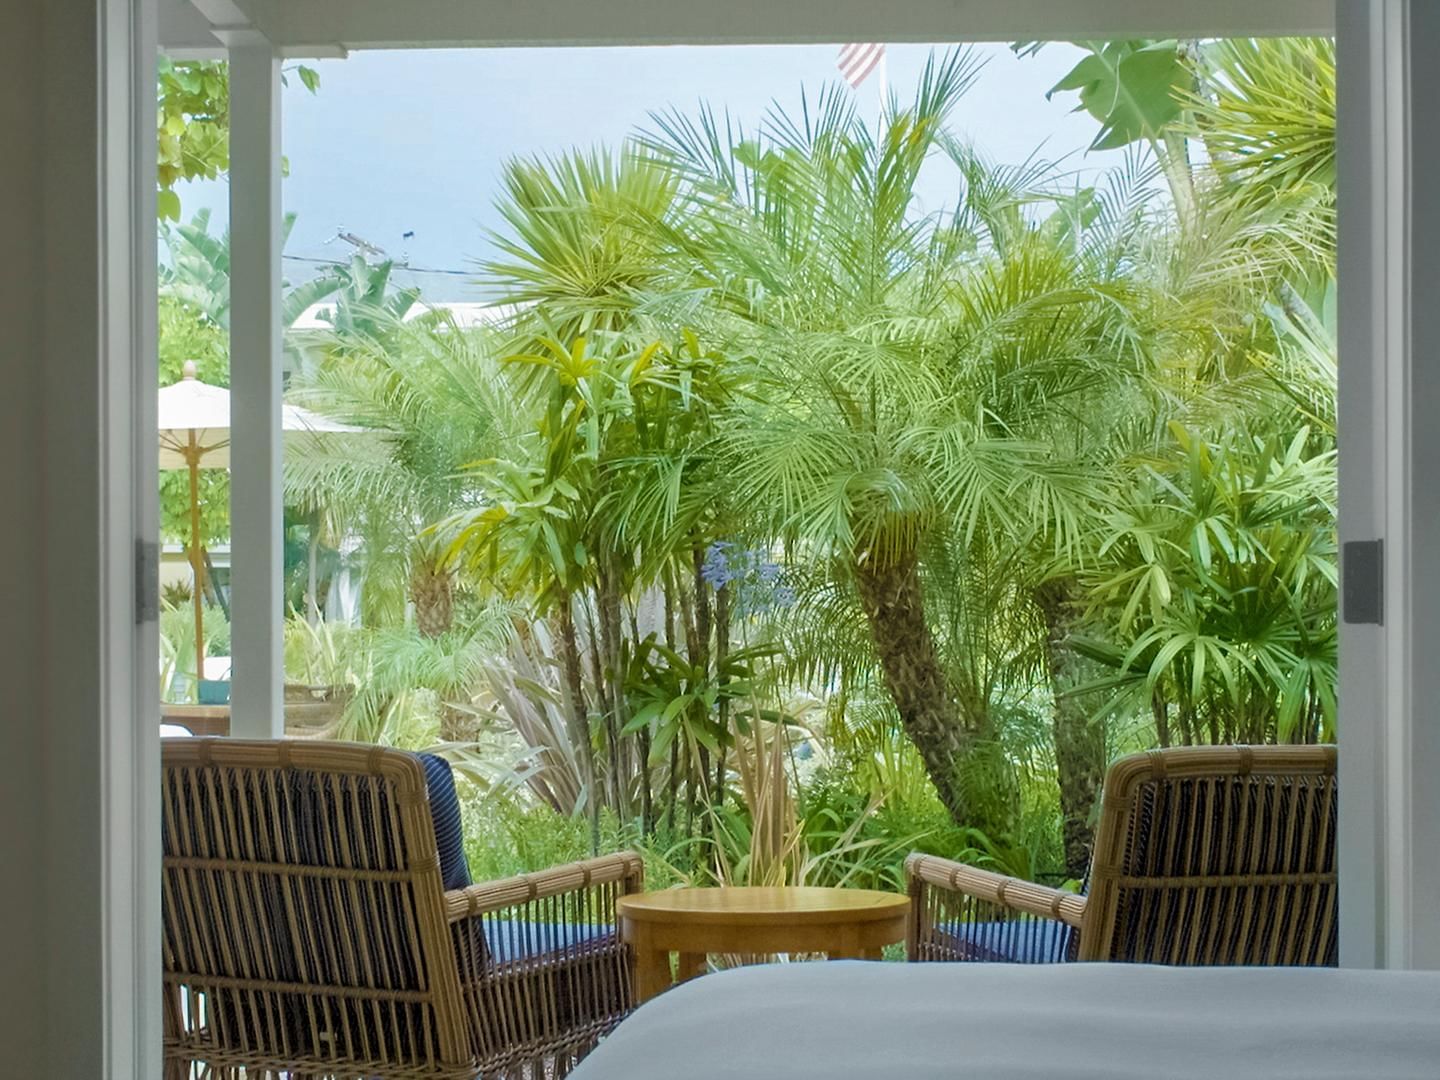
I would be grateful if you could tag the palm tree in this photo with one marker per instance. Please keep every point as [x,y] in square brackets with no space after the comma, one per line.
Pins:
[916,364]
[197,273]
[582,247]
[435,390]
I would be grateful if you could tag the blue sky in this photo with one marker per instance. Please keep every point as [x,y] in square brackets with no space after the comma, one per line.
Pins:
[398,142]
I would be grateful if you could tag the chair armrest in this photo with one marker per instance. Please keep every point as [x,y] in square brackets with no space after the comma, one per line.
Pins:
[624,869]
[960,912]
[1014,894]
[542,968]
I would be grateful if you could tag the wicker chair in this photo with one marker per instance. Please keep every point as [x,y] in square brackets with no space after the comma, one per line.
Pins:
[307,932]
[1204,855]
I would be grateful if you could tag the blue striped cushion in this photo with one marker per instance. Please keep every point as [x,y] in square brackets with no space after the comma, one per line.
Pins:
[445,813]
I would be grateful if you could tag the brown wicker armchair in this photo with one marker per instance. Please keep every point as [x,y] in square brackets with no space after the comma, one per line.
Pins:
[307,931]
[1204,855]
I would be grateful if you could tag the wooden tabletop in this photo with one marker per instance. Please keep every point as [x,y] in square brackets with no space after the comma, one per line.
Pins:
[841,923]
[742,905]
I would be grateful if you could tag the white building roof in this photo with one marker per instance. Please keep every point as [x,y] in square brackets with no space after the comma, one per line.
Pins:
[466,313]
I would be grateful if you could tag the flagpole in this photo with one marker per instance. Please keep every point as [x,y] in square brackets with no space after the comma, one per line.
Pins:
[884,87]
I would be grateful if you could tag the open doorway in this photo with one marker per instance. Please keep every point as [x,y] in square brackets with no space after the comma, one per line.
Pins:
[925,425]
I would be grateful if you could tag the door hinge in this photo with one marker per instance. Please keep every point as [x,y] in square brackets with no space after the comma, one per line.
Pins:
[147,581]
[1362,577]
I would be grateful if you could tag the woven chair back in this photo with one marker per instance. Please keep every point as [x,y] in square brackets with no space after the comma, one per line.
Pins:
[1216,855]
[303,911]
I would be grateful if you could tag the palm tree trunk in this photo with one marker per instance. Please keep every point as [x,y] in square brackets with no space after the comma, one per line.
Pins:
[1160,710]
[698,645]
[432,591]
[672,793]
[579,714]
[1186,712]
[894,605]
[597,682]
[722,650]
[1172,153]
[1079,737]
[672,782]
[312,569]
[611,694]
[642,746]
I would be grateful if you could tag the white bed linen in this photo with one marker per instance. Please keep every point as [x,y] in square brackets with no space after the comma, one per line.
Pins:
[853,1020]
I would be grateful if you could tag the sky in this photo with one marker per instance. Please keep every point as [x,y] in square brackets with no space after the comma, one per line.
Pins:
[398,143]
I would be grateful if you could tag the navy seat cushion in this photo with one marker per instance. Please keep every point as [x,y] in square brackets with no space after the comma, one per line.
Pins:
[512,939]
[505,940]
[445,813]
[1030,941]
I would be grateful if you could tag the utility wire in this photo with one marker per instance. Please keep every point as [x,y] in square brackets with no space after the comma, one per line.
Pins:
[398,266]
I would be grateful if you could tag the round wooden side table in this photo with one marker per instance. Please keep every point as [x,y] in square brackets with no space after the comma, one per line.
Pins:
[842,923]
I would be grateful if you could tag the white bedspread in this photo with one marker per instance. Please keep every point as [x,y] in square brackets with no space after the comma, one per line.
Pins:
[848,1021]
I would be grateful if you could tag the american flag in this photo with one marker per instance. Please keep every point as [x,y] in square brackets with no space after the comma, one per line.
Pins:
[857,61]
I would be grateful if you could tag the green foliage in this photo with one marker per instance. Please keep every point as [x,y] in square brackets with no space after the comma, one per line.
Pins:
[193,118]
[197,271]
[367,306]
[323,654]
[508,835]
[177,646]
[1219,580]
[1267,114]
[402,662]
[586,237]
[881,830]
[678,701]
[194,125]
[175,594]
[1130,87]
[185,335]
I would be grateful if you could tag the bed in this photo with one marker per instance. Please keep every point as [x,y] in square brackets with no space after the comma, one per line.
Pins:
[854,1020]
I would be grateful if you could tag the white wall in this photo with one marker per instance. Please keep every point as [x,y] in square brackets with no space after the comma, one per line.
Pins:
[21,204]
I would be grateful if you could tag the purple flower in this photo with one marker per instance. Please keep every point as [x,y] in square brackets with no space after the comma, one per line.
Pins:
[753,580]
[715,570]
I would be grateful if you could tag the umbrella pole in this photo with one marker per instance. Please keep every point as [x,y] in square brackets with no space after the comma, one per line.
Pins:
[197,563]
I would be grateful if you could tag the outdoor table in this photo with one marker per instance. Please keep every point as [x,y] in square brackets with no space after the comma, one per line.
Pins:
[842,923]
[200,719]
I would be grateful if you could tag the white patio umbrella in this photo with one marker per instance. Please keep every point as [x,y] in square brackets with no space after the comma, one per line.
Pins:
[195,435]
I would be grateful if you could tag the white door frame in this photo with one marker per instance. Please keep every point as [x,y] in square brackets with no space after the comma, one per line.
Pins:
[1391,836]
[79,368]
[130,701]
[1389,465]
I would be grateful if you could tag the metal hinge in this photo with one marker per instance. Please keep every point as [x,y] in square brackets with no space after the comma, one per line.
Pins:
[147,581]
[1362,576]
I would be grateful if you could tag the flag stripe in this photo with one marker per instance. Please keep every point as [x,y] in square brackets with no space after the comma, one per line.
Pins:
[856,61]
